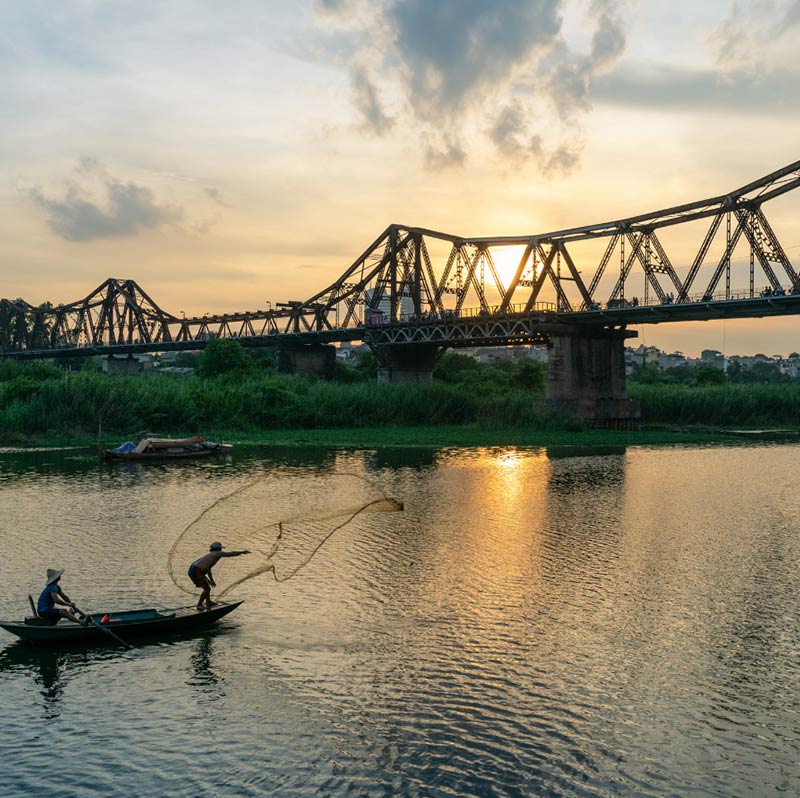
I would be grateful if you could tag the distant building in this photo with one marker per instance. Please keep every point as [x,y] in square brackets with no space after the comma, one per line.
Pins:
[491,354]
[382,313]
[713,358]
[127,364]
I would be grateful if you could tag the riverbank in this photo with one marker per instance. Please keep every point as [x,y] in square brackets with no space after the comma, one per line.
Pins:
[463,436]
[41,405]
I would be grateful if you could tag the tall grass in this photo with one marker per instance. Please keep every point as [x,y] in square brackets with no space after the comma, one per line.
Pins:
[41,401]
[80,403]
[720,405]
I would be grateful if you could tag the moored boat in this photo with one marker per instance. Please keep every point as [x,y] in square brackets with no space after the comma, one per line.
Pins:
[166,449]
[131,623]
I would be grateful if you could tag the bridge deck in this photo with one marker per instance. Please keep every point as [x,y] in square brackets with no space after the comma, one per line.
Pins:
[469,328]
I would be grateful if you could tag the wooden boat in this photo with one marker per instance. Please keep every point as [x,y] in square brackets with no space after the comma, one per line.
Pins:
[165,449]
[131,623]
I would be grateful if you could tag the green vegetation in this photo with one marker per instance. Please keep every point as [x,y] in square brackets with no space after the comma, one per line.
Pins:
[720,405]
[757,374]
[241,397]
[232,393]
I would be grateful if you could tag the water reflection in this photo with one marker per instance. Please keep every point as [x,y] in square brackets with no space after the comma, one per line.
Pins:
[203,674]
[415,458]
[50,669]
[537,622]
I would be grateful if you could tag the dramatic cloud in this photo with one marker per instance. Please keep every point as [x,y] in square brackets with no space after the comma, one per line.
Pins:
[452,63]
[128,208]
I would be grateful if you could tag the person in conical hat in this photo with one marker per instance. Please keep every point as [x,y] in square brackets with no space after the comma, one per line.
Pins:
[200,572]
[53,595]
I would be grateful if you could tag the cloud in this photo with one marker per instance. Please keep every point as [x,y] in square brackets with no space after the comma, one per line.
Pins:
[127,210]
[792,16]
[215,195]
[753,37]
[511,135]
[367,101]
[442,153]
[608,41]
[656,86]
[561,161]
[451,62]
[453,51]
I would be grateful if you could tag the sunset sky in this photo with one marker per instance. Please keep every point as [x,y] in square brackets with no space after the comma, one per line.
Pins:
[225,154]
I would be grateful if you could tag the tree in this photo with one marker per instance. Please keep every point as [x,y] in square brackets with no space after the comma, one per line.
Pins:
[222,356]
[454,367]
[708,375]
[185,360]
[530,375]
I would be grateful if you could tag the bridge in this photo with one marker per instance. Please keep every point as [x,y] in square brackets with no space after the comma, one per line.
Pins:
[414,292]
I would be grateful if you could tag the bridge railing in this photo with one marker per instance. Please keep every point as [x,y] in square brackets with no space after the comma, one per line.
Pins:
[719,296]
[378,320]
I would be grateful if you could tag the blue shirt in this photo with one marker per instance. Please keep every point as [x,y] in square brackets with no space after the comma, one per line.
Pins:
[46,600]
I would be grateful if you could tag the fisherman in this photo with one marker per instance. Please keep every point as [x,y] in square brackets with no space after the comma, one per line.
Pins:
[52,595]
[200,572]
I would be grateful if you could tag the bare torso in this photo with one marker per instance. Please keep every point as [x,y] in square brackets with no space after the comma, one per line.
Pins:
[208,561]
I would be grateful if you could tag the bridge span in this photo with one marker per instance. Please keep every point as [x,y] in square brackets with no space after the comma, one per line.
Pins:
[413,292]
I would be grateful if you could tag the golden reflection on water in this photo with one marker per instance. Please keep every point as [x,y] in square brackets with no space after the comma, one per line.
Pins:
[618,623]
[488,547]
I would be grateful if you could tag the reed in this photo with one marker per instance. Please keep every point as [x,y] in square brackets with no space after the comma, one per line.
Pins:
[41,401]
[720,405]
[56,403]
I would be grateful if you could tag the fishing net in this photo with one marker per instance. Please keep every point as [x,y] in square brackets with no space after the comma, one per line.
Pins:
[284,521]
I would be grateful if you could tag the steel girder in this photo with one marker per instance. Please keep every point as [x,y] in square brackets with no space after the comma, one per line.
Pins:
[396,289]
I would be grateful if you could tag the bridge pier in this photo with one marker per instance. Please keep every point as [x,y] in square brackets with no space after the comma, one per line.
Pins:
[319,360]
[586,376]
[407,362]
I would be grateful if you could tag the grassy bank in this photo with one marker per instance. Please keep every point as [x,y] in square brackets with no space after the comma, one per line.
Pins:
[43,405]
[50,404]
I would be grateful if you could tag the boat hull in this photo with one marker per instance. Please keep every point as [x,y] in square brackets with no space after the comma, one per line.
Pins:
[137,623]
[158,455]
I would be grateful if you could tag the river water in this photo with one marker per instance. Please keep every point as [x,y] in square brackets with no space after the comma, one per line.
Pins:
[535,623]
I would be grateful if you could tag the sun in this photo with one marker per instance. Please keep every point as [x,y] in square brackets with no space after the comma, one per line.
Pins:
[506,260]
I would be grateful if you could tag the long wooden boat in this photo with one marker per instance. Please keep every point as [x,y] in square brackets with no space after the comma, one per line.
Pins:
[131,623]
[165,449]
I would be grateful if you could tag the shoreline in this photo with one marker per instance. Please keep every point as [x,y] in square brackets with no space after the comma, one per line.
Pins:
[455,437]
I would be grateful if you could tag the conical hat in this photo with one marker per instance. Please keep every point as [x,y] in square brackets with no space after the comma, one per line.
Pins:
[52,575]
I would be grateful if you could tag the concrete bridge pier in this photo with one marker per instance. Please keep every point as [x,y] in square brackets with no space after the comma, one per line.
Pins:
[407,362]
[586,376]
[316,359]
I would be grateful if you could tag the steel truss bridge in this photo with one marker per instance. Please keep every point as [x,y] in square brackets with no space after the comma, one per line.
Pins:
[418,286]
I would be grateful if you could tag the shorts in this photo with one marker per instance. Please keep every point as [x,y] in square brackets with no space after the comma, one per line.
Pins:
[198,577]
[50,614]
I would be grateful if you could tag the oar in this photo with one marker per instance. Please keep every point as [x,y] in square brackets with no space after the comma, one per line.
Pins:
[103,628]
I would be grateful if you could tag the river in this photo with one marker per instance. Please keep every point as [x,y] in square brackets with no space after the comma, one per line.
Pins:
[535,623]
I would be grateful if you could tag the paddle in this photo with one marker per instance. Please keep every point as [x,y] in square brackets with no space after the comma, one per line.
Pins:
[103,628]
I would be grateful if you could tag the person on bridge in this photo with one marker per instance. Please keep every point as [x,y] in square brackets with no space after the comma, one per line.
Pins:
[200,572]
[53,595]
